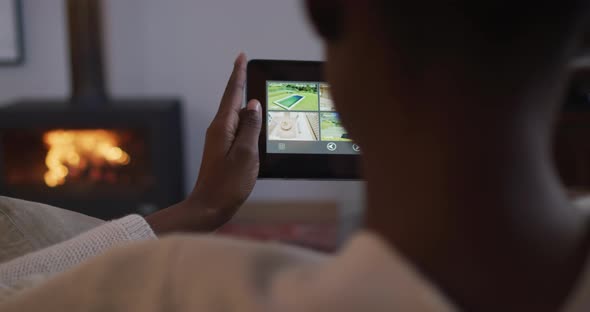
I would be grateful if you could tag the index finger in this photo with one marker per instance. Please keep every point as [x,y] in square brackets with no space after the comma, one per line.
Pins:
[234,91]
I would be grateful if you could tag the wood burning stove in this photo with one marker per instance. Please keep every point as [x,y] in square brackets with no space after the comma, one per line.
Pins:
[106,161]
[105,158]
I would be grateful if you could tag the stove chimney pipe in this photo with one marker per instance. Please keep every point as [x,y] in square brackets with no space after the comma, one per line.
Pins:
[85,32]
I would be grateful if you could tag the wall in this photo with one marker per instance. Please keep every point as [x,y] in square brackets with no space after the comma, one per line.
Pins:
[180,48]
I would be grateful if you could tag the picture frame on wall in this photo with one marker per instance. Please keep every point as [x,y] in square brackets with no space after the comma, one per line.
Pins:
[11,33]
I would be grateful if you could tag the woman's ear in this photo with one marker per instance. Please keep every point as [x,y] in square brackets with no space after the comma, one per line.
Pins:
[327,17]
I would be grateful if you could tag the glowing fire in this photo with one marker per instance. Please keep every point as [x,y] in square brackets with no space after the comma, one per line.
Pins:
[75,150]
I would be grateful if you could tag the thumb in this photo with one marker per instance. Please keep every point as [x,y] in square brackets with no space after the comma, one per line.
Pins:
[248,129]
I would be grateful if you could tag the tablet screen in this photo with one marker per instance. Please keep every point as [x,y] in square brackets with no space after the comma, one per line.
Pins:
[302,120]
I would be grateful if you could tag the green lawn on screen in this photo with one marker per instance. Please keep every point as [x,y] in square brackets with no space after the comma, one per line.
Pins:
[332,130]
[279,91]
[309,103]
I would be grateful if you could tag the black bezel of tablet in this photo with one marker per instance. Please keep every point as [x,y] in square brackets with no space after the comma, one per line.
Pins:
[294,166]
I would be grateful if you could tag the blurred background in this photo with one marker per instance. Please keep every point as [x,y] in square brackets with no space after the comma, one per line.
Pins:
[180,49]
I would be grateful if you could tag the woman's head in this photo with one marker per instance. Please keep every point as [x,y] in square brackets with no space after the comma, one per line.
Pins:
[382,54]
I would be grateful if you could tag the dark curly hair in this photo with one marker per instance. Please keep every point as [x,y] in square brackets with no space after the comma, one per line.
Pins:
[474,31]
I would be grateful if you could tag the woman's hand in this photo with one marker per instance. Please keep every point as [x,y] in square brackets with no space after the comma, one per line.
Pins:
[229,168]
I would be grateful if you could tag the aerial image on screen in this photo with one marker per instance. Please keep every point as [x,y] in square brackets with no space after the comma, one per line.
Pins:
[302,120]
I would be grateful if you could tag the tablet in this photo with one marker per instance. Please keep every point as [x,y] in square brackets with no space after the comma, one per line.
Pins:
[302,136]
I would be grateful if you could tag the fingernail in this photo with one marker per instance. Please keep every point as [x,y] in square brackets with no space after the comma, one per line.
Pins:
[253,105]
[239,57]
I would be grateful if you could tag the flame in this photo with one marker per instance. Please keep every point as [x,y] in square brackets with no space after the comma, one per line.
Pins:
[77,149]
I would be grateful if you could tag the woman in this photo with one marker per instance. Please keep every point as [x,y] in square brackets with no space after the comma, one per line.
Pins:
[464,209]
